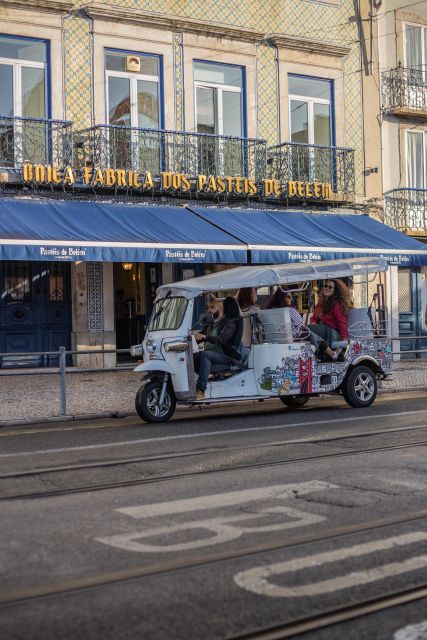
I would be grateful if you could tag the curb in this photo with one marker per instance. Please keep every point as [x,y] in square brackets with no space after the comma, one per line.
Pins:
[125,414]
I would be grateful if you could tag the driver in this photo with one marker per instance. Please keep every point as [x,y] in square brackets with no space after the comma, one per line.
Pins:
[218,341]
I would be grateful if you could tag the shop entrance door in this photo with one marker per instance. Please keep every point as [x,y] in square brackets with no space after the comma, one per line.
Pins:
[412,312]
[35,311]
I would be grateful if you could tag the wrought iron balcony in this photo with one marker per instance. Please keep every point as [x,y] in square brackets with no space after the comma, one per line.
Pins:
[313,163]
[35,141]
[406,210]
[177,151]
[404,91]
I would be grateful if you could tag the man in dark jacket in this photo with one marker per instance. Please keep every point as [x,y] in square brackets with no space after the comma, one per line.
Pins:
[219,342]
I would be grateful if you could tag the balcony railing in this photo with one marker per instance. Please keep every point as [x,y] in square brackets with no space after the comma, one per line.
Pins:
[406,210]
[35,141]
[177,151]
[311,162]
[404,91]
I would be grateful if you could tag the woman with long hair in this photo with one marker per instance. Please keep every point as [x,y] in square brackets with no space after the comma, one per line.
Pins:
[329,319]
[247,299]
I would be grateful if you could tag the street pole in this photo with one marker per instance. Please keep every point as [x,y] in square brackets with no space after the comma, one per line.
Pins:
[62,383]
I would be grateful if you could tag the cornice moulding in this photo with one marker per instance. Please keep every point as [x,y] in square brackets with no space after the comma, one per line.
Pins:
[52,6]
[152,19]
[306,45]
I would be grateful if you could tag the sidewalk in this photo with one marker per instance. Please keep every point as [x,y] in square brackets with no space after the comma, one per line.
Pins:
[27,398]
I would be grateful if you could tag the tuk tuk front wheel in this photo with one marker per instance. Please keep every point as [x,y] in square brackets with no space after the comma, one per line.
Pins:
[294,401]
[148,406]
[360,387]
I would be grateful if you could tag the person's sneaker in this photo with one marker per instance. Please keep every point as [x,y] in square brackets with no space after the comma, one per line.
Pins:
[200,395]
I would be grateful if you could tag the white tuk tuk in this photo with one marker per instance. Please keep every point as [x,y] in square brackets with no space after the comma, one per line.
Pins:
[274,364]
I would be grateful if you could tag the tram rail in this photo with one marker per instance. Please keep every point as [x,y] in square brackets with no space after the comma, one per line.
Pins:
[72,586]
[220,469]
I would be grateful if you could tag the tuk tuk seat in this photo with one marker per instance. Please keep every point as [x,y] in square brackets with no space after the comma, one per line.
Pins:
[359,326]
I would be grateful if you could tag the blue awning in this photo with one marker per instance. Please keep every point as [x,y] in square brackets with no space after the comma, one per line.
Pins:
[294,236]
[98,231]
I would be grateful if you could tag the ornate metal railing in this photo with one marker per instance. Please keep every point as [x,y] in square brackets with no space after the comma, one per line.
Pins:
[406,209]
[404,88]
[311,162]
[177,151]
[36,141]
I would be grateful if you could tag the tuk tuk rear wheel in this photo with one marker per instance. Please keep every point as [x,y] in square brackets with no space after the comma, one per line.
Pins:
[147,402]
[360,387]
[294,401]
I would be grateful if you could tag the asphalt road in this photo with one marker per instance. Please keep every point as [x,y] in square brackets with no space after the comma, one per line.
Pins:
[220,524]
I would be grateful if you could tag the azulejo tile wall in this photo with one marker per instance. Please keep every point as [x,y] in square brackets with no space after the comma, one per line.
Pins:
[311,18]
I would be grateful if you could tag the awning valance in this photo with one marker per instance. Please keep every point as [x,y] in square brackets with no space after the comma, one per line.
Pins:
[275,237]
[97,231]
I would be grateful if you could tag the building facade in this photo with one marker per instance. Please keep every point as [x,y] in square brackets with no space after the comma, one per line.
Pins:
[395,84]
[241,104]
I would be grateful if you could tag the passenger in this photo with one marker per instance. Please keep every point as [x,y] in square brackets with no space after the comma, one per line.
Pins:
[299,330]
[218,339]
[277,299]
[247,299]
[329,319]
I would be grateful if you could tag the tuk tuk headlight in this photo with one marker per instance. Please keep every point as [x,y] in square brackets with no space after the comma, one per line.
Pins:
[136,350]
[180,345]
[150,345]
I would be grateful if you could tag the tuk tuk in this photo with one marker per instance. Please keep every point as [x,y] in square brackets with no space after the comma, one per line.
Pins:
[274,364]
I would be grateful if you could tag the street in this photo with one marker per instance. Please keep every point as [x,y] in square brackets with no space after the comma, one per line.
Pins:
[217,526]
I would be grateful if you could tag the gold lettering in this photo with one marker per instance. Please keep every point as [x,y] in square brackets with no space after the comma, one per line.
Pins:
[110,177]
[220,184]
[268,187]
[238,185]
[211,184]
[69,177]
[56,175]
[48,173]
[176,180]
[98,178]
[276,188]
[185,183]
[201,181]
[121,177]
[252,188]
[135,179]
[148,181]
[317,188]
[300,188]
[87,174]
[292,188]
[27,172]
[308,192]
[326,190]
[39,173]
[229,181]
[129,179]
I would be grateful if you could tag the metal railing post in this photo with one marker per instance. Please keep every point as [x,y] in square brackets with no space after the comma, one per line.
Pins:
[62,382]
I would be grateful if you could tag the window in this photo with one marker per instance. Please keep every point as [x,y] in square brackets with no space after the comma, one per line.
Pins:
[23,94]
[416,52]
[219,111]
[133,101]
[310,123]
[416,145]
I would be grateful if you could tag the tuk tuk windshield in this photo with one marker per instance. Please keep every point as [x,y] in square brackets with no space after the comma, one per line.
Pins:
[168,313]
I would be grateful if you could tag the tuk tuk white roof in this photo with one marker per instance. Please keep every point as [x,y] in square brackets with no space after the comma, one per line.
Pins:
[270,275]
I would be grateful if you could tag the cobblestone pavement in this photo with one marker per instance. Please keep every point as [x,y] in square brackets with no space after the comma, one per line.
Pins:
[31,397]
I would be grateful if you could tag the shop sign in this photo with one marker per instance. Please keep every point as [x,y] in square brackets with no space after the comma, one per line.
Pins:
[175,183]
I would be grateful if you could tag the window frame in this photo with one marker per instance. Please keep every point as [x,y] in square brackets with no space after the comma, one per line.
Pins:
[17,65]
[310,108]
[423,46]
[408,133]
[219,89]
[133,77]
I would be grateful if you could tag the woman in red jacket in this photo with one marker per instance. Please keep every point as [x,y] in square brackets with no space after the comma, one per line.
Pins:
[329,319]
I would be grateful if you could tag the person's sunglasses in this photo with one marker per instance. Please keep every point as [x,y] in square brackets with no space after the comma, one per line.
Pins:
[329,286]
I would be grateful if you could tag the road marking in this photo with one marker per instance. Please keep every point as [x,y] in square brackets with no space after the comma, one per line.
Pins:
[207,434]
[231,498]
[257,581]
[412,632]
[222,528]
